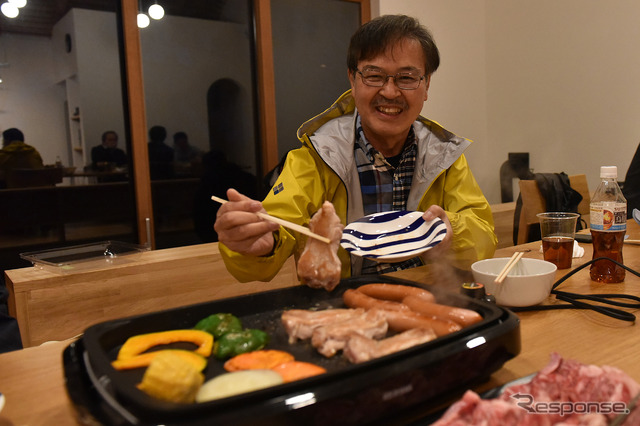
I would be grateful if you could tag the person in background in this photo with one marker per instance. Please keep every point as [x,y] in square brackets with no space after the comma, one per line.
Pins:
[187,158]
[371,151]
[160,154]
[107,155]
[184,152]
[631,186]
[15,154]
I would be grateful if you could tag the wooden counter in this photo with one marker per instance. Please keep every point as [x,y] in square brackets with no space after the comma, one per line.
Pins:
[55,306]
[32,379]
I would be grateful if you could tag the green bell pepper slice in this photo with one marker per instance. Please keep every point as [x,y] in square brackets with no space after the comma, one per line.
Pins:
[236,343]
[219,324]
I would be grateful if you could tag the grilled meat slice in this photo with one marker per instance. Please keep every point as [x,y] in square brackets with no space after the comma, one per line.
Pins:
[300,323]
[329,339]
[360,348]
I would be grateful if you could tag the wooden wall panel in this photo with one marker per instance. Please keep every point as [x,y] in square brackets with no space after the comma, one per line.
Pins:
[138,122]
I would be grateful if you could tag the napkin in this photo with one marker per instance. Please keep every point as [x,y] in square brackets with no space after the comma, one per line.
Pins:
[578,251]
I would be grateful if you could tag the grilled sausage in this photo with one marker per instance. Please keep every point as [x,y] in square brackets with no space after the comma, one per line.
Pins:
[406,320]
[462,316]
[399,315]
[395,292]
[357,299]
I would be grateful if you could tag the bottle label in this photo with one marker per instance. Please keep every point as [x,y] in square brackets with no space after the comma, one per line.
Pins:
[608,216]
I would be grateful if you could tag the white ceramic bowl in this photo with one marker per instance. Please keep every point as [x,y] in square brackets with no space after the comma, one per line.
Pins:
[527,284]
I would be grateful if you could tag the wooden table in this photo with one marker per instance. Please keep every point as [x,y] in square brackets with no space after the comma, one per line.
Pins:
[32,379]
[584,335]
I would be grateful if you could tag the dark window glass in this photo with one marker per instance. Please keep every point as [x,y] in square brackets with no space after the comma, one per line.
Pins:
[62,88]
[199,85]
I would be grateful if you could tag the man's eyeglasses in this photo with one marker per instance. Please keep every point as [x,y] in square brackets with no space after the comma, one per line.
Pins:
[404,80]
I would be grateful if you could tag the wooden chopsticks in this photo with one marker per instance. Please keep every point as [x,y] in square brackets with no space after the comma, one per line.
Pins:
[284,223]
[509,266]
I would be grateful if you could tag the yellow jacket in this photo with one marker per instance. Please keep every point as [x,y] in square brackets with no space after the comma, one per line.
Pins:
[19,155]
[324,169]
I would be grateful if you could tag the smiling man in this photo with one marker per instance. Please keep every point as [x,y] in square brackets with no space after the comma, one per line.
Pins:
[371,151]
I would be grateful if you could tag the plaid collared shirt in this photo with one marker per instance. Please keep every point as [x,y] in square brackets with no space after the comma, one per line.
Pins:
[384,187]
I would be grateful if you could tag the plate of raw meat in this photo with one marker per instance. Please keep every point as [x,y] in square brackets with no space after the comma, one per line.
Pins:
[392,236]
[564,392]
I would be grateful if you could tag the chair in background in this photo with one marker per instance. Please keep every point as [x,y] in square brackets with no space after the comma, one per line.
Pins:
[32,178]
[580,184]
[533,202]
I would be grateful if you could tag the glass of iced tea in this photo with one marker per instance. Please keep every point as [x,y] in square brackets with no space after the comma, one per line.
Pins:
[558,230]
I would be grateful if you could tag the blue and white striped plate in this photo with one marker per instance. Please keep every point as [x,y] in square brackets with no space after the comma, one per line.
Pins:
[392,236]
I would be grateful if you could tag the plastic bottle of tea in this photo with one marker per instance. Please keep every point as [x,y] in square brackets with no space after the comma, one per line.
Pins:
[608,212]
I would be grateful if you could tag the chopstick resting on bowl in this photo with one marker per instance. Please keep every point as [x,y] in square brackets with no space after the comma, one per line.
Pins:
[509,266]
[284,223]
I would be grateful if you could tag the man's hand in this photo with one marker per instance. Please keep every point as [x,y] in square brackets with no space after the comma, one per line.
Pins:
[437,251]
[240,229]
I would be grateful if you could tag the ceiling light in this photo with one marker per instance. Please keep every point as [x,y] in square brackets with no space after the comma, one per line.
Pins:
[9,10]
[156,11]
[18,3]
[143,20]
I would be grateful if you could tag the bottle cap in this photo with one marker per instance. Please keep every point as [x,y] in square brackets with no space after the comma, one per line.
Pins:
[609,172]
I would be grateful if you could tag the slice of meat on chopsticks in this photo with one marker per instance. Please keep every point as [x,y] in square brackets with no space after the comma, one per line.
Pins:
[319,265]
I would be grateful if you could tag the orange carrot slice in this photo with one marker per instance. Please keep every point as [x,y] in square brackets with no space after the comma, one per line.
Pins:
[257,360]
[297,370]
